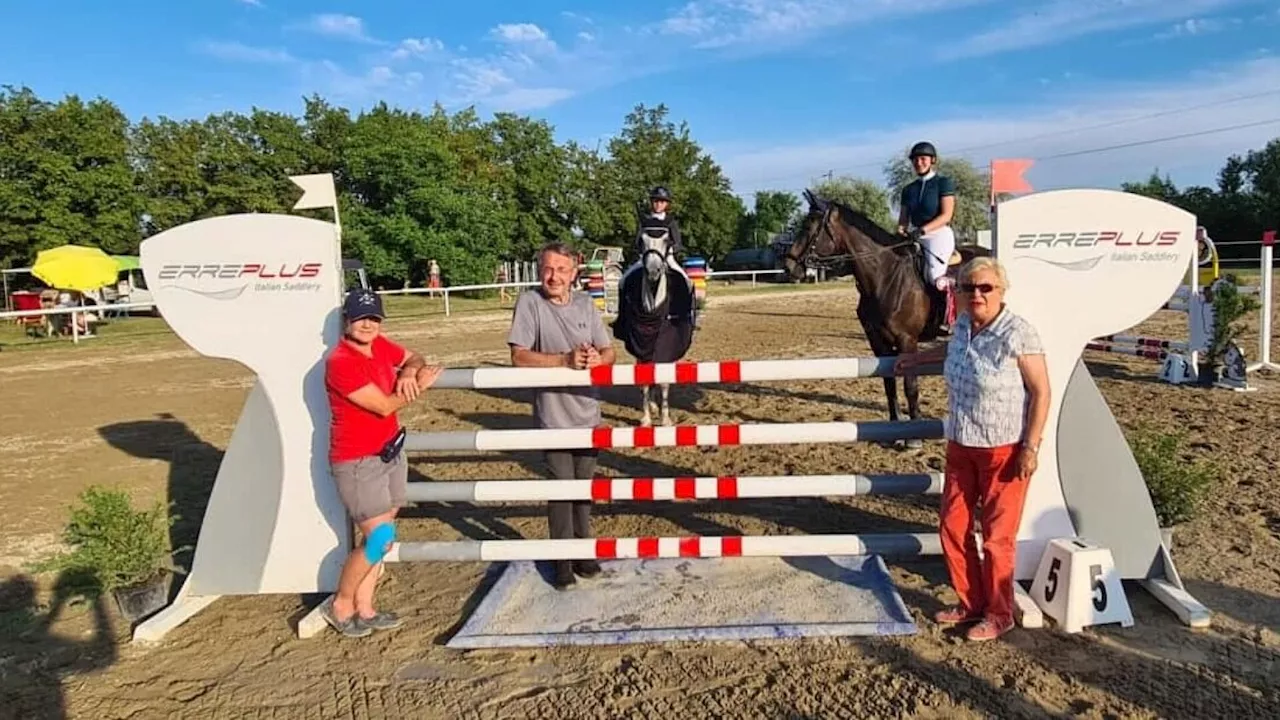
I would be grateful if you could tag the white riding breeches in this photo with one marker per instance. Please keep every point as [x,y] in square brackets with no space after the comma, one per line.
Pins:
[938,246]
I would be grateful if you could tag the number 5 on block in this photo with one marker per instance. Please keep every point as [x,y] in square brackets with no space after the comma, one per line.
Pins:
[1077,585]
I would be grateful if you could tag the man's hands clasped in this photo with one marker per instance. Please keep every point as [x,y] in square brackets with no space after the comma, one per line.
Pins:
[583,357]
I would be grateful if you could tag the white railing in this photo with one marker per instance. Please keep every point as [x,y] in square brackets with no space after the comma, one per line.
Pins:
[444,291]
[717,274]
[73,312]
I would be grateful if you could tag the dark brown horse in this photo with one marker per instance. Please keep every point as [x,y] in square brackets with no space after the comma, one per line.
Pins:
[894,305]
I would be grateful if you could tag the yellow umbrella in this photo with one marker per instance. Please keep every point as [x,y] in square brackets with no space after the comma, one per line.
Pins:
[75,267]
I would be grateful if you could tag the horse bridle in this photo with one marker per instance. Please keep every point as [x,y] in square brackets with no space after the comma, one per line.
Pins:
[808,259]
[666,252]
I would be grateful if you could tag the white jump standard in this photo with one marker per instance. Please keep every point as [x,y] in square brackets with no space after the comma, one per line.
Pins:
[274,522]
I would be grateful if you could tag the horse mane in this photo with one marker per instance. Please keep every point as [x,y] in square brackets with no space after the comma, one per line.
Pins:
[866,225]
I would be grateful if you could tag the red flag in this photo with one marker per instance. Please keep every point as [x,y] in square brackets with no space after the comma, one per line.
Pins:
[1006,176]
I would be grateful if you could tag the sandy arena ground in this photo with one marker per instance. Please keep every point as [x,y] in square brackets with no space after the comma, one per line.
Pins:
[150,415]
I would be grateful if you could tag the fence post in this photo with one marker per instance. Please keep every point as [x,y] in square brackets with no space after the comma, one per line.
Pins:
[446,301]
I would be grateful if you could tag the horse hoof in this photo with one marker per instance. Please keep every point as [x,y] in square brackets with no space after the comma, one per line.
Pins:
[646,423]
[915,444]
[666,422]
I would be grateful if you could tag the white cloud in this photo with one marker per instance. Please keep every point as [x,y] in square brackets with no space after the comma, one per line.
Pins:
[524,35]
[1098,118]
[348,27]
[239,52]
[255,3]
[724,23]
[1060,20]
[420,48]
[492,83]
[1193,27]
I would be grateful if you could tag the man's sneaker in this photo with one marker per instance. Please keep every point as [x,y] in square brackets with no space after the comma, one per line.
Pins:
[989,630]
[562,574]
[586,568]
[351,627]
[381,621]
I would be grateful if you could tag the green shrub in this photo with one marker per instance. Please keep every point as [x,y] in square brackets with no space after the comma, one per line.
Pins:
[113,544]
[1229,306]
[1177,486]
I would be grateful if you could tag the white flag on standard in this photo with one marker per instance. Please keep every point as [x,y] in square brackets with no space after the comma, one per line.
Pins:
[317,191]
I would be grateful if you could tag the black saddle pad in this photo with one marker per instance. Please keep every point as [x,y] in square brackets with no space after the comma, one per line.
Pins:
[663,335]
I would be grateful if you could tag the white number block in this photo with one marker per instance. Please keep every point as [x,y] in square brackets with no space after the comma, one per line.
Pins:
[1077,585]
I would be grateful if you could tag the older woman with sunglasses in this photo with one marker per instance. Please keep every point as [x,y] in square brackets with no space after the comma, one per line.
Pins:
[998,399]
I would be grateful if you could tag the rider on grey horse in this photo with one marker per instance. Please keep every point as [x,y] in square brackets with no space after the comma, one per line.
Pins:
[659,225]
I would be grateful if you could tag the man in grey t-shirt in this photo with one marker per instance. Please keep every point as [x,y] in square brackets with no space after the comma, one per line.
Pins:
[553,326]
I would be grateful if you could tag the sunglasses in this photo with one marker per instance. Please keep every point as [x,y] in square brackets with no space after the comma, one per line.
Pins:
[984,288]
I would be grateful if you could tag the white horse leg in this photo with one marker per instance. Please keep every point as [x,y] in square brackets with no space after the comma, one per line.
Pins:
[647,420]
[666,409]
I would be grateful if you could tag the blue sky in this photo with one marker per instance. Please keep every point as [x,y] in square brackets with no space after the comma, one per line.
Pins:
[780,91]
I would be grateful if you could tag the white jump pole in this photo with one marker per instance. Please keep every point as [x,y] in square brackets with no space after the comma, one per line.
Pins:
[1264,332]
[678,436]
[904,544]
[680,373]
[604,489]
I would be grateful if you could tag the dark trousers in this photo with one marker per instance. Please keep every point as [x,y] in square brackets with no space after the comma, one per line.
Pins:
[570,519]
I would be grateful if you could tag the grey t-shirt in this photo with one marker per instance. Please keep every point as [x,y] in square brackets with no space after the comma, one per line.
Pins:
[542,326]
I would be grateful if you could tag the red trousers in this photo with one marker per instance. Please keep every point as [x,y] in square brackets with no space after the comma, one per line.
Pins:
[985,478]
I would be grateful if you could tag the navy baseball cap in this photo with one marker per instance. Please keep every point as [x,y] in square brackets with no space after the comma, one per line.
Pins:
[362,303]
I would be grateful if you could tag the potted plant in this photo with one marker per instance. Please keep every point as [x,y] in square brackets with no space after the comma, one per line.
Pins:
[120,549]
[1177,484]
[1229,306]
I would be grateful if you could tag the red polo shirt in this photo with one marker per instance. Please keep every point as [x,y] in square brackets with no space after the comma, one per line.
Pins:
[355,432]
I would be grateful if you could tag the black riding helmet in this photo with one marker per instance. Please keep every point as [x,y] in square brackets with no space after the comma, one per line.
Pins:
[660,193]
[925,149]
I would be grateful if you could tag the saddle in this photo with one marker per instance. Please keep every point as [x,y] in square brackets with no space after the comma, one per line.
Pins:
[942,308]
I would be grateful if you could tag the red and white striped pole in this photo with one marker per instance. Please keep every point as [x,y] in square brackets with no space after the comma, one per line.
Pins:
[899,545]
[607,489]
[680,373]
[1148,342]
[678,436]
[1128,350]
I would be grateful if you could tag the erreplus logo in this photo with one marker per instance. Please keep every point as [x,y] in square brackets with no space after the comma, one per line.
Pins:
[1096,238]
[240,271]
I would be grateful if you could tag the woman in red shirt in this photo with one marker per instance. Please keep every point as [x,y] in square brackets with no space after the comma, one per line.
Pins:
[369,377]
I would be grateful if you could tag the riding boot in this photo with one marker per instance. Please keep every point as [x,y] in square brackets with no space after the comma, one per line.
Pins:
[944,305]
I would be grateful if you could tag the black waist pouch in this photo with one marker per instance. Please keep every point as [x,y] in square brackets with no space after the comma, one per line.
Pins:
[393,447]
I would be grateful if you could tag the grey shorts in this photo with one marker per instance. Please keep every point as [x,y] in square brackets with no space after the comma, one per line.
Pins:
[369,487]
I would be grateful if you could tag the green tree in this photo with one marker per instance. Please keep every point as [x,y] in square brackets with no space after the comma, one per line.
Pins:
[65,176]
[774,212]
[1155,187]
[862,195]
[535,182]
[651,150]
[973,192]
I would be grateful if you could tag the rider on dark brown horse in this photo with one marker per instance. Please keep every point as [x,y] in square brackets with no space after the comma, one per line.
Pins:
[925,216]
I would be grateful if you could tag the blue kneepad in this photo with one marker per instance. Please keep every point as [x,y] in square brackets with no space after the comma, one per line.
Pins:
[379,542]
